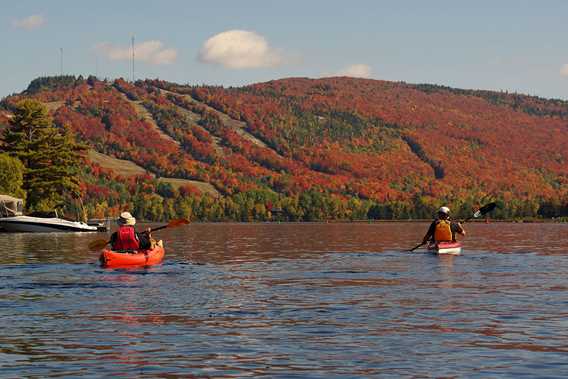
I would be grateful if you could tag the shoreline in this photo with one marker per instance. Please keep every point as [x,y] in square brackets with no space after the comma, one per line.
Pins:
[492,221]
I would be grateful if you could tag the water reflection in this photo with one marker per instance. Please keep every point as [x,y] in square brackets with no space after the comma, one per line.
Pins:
[318,300]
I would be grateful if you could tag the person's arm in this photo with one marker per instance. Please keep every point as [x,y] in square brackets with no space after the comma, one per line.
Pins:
[146,234]
[143,239]
[430,233]
[112,239]
[458,228]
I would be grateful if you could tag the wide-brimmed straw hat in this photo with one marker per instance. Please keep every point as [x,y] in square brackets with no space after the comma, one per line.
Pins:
[126,219]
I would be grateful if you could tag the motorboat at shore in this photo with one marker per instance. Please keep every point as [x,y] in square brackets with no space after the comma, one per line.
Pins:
[40,224]
[13,220]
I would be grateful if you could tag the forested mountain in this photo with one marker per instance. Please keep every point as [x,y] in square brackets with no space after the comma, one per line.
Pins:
[313,149]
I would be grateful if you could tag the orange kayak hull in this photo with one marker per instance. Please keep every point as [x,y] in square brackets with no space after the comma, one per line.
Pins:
[110,258]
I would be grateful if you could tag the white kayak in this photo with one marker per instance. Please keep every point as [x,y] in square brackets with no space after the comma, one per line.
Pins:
[445,248]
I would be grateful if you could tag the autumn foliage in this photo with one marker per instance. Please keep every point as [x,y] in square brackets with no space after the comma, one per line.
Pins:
[352,148]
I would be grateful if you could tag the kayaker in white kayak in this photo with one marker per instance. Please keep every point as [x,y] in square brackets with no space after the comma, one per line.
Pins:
[443,229]
[126,238]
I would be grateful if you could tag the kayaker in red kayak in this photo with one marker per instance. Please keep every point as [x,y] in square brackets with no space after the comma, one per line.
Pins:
[443,229]
[126,238]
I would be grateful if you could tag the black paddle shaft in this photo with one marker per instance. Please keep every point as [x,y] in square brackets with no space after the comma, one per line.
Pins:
[483,211]
[171,224]
[158,228]
[416,247]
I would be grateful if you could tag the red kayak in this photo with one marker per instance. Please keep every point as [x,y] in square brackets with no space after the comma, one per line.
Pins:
[451,248]
[154,256]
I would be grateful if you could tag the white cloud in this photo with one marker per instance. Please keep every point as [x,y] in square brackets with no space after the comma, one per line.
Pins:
[29,23]
[356,71]
[564,70]
[147,51]
[239,49]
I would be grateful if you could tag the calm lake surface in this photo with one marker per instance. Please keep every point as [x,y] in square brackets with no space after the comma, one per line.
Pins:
[290,301]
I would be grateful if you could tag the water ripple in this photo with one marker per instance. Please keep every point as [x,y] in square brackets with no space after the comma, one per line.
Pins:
[285,301]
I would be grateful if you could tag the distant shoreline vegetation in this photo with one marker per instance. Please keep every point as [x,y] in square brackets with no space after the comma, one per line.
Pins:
[294,150]
[559,220]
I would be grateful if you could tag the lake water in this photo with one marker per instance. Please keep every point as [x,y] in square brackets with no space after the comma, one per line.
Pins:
[290,301]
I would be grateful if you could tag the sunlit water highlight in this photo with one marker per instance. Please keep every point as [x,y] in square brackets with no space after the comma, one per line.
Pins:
[290,300]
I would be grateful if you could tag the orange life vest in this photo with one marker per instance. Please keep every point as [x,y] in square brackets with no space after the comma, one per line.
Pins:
[443,231]
[126,239]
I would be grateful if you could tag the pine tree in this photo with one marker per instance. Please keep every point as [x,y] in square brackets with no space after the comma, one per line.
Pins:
[11,176]
[50,155]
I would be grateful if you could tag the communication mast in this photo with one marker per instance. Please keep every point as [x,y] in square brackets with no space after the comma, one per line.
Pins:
[132,47]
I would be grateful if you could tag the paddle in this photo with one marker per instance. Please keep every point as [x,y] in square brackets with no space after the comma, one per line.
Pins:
[99,244]
[417,246]
[480,212]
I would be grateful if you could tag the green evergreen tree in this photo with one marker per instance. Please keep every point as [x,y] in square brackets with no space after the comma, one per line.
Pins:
[50,155]
[11,176]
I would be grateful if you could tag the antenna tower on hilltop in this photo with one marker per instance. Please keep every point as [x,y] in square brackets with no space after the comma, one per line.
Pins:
[132,72]
[61,61]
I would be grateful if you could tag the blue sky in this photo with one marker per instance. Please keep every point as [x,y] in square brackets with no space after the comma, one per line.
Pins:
[501,45]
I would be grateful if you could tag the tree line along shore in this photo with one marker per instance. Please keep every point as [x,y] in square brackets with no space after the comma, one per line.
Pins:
[42,161]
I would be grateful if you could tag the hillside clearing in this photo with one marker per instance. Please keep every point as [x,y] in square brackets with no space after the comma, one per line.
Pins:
[238,126]
[127,168]
[201,186]
[120,166]
[143,113]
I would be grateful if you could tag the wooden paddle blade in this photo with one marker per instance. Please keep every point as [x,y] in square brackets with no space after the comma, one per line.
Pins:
[172,224]
[98,244]
[177,222]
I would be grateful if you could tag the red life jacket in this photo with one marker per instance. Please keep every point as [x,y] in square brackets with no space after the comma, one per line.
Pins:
[126,239]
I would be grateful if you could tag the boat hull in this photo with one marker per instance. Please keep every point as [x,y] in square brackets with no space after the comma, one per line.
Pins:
[445,248]
[115,259]
[28,224]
